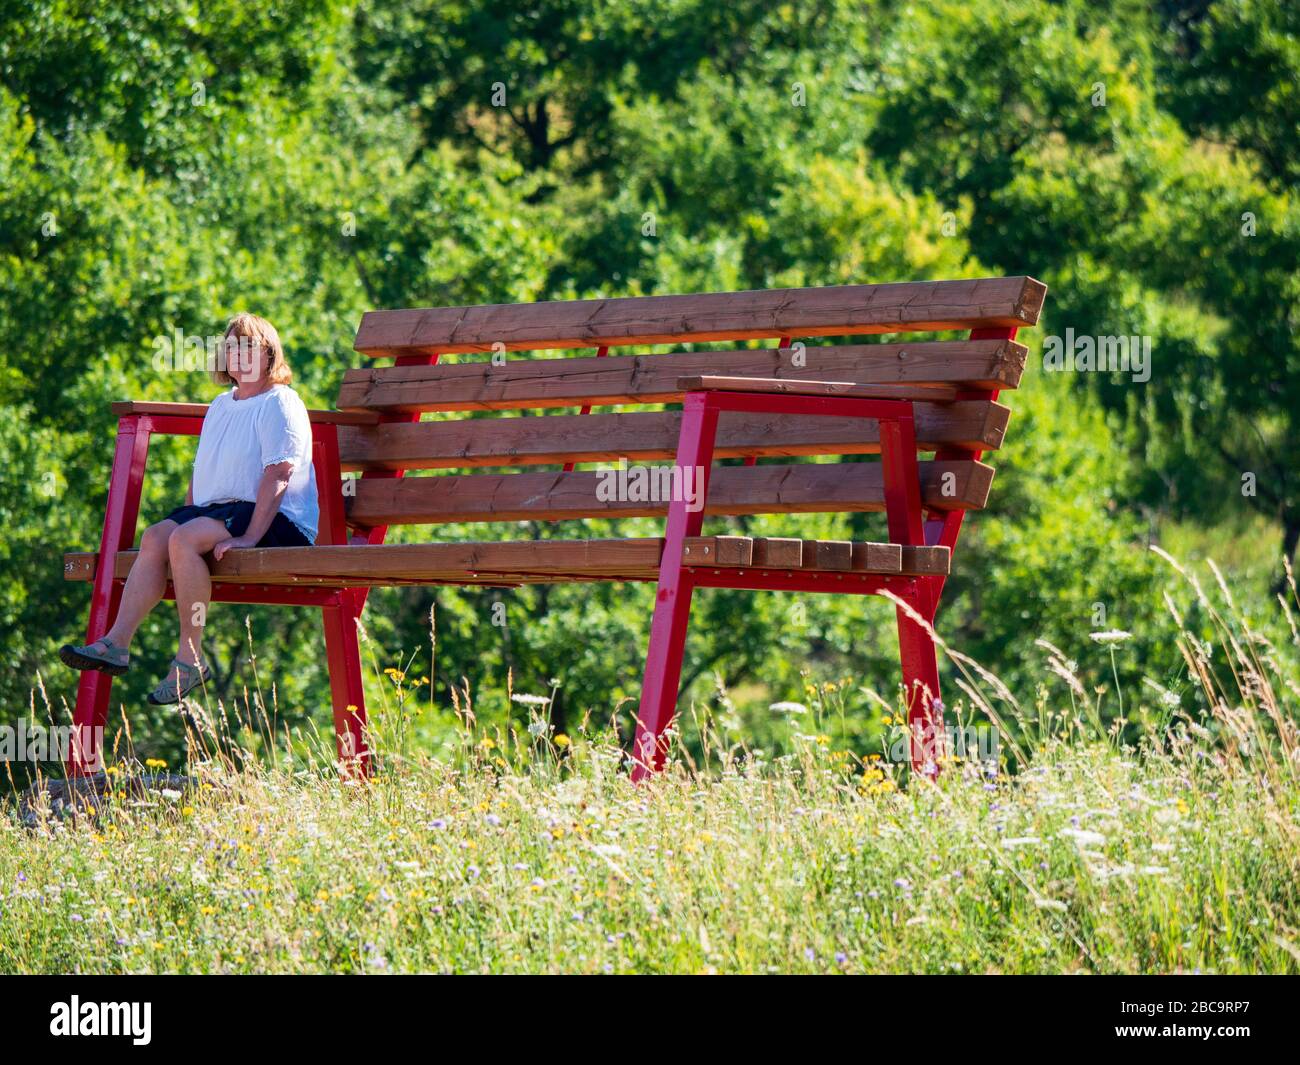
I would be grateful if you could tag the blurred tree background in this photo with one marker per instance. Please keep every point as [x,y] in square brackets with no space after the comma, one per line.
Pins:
[165,163]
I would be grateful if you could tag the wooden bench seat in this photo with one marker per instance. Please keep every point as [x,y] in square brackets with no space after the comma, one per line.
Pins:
[537,561]
[822,428]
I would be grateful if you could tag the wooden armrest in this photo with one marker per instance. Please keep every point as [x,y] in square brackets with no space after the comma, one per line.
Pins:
[197,410]
[769,385]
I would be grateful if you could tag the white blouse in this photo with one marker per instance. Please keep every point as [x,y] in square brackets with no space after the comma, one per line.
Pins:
[241,437]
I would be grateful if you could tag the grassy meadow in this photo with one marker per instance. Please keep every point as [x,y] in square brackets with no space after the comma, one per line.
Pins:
[1172,846]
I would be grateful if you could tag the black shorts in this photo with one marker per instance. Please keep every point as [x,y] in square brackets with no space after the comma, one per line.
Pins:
[236,516]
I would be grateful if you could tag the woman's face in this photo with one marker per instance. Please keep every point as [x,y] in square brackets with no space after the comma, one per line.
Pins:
[245,360]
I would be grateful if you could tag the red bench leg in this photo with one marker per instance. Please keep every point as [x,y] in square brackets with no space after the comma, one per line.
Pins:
[342,650]
[920,662]
[90,717]
[916,648]
[663,666]
[347,691]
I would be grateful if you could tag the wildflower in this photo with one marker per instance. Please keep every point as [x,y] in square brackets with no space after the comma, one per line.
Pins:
[155,763]
[562,740]
[1084,838]
[493,820]
[788,708]
[187,811]
[1111,636]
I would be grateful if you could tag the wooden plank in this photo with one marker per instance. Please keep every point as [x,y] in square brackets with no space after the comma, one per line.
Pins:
[834,555]
[522,561]
[838,556]
[718,550]
[838,310]
[615,380]
[642,436]
[774,552]
[798,489]
[871,558]
[384,563]
[198,410]
[921,560]
[768,386]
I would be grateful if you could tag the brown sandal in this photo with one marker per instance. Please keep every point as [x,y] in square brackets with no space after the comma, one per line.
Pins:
[182,678]
[110,659]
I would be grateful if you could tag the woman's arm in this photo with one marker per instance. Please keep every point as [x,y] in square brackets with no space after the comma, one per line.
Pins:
[189,493]
[270,491]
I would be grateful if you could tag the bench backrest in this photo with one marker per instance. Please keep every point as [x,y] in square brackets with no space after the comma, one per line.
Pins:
[961,422]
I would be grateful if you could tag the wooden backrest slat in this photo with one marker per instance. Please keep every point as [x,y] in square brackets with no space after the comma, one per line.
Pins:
[536,383]
[933,374]
[646,436]
[840,310]
[733,490]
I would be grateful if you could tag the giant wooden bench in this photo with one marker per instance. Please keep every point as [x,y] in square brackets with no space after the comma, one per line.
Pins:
[893,399]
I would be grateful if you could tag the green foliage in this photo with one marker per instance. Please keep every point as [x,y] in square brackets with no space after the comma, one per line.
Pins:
[165,164]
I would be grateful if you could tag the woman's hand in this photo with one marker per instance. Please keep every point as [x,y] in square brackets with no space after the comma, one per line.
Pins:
[233,542]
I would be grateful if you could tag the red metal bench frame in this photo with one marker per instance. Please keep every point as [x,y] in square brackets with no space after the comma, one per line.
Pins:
[907,523]
[341,607]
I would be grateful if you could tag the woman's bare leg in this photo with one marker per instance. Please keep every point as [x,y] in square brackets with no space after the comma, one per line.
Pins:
[193,581]
[145,585]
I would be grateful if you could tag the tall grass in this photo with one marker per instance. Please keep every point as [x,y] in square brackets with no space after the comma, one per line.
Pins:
[1163,840]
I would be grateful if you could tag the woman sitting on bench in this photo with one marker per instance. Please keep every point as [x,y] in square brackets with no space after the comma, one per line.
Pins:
[252,486]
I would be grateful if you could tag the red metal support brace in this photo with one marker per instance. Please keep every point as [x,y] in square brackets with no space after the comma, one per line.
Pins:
[663,666]
[90,717]
[915,643]
[677,582]
[342,646]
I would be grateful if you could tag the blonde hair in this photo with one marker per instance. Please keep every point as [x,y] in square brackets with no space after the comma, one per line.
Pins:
[259,330]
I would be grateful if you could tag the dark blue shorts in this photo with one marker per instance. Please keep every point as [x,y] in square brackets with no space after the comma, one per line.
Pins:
[236,516]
